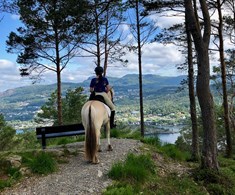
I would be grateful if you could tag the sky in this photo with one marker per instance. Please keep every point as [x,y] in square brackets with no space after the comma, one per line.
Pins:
[157,59]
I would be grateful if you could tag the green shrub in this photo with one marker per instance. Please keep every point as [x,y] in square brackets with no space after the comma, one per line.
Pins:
[134,169]
[115,133]
[7,134]
[14,173]
[214,188]
[11,175]
[215,182]
[27,140]
[42,163]
[154,141]
[4,184]
[173,152]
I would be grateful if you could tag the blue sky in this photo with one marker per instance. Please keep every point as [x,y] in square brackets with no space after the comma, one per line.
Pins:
[157,59]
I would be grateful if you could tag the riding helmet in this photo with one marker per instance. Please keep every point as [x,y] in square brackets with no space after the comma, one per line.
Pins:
[99,70]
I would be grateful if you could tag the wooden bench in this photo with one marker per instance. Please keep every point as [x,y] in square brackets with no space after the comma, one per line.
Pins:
[44,133]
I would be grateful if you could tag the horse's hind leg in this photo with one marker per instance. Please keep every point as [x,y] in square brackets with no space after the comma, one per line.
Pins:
[95,159]
[99,145]
[107,127]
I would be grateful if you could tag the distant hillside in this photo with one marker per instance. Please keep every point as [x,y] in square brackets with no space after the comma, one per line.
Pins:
[22,103]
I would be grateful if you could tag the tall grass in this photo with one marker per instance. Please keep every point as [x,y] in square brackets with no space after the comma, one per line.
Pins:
[41,163]
[12,175]
[120,189]
[153,141]
[134,169]
[173,152]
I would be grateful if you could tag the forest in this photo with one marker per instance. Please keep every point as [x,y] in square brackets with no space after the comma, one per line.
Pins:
[55,32]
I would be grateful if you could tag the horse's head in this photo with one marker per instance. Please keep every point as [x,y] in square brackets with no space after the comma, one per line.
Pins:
[111,94]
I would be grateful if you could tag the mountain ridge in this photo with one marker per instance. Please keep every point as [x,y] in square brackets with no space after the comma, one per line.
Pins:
[22,103]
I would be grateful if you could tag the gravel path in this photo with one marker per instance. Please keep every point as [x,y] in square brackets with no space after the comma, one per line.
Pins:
[78,177]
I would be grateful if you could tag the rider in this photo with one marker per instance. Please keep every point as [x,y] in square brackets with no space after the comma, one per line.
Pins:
[100,86]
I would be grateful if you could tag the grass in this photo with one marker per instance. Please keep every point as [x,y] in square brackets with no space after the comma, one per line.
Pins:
[140,174]
[65,140]
[41,163]
[169,150]
[173,152]
[120,189]
[135,169]
[133,176]
[11,175]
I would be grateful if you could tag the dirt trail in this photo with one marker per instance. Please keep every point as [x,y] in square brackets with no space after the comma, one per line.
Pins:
[77,177]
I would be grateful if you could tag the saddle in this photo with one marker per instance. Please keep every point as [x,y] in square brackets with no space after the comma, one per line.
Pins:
[97,97]
[101,99]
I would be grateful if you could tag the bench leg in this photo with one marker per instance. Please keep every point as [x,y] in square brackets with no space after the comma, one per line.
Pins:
[43,139]
[44,143]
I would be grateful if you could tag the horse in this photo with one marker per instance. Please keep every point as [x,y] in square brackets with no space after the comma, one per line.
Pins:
[95,114]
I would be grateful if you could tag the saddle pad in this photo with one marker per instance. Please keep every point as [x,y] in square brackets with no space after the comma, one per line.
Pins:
[108,110]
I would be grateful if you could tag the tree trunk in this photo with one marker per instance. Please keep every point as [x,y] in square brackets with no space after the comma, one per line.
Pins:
[140,68]
[209,151]
[224,83]
[59,100]
[58,74]
[97,30]
[192,100]
[106,54]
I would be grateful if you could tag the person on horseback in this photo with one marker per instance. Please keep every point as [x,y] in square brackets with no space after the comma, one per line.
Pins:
[100,86]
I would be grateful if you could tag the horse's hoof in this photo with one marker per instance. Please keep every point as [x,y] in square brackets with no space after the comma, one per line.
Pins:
[96,162]
[110,148]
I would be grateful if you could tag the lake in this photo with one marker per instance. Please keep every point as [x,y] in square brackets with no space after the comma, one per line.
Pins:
[170,136]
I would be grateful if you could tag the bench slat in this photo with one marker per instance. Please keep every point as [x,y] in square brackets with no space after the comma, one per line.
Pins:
[58,131]
[62,134]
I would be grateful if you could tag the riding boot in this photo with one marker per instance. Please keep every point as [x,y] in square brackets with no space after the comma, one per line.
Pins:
[112,125]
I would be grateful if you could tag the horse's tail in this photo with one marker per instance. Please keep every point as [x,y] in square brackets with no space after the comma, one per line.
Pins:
[91,139]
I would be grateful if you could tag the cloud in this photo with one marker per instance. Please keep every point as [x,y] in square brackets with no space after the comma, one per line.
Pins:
[10,76]
[15,17]
[156,59]
[6,65]
[167,19]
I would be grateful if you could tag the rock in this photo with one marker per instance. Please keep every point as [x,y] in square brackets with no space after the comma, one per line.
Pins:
[15,160]
[25,171]
[71,150]
[100,174]
[56,152]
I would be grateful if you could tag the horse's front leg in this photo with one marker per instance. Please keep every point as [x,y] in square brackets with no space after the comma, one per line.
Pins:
[107,127]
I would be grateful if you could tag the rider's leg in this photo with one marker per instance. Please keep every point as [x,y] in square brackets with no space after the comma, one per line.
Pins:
[112,124]
[111,106]
[107,100]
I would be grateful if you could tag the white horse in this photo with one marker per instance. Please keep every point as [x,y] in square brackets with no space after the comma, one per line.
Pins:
[95,114]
